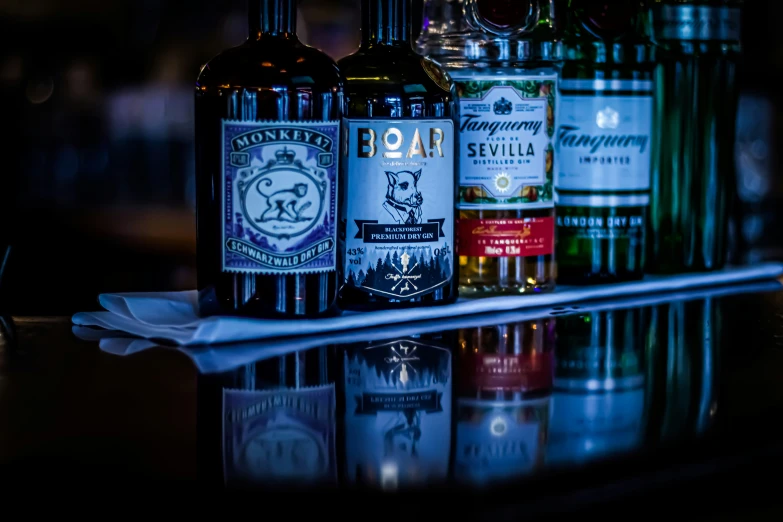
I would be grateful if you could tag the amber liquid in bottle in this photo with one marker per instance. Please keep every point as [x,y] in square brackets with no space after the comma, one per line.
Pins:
[267,140]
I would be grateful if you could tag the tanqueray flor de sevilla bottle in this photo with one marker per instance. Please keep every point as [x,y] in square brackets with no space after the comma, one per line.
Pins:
[502,56]
[398,177]
[267,140]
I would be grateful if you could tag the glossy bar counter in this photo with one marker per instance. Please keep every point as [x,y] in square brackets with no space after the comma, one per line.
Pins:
[660,404]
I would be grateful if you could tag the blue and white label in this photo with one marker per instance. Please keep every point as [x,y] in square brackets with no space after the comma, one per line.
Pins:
[604,138]
[397,413]
[279,435]
[499,440]
[399,206]
[279,197]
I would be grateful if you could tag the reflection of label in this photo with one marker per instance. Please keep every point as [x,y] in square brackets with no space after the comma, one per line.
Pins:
[510,372]
[506,141]
[506,237]
[398,413]
[590,426]
[699,23]
[276,435]
[499,440]
[399,206]
[604,138]
[279,197]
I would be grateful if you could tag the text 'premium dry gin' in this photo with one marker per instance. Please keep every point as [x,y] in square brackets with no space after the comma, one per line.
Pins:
[602,185]
[397,186]
[500,55]
[267,131]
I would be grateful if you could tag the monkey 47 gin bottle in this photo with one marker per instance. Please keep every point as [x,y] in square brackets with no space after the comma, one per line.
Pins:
[501,55]
[398,170]
[267,148]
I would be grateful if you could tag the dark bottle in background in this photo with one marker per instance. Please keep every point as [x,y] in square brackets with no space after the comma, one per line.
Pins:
[396,404]
[269,424]
[397,185]
[267,134]
[695,118]
[602,183]
[504,401]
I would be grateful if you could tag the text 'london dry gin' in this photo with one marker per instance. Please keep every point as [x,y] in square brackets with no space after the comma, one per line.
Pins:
[397,188]
[602,182]
[267,141]
[501,58]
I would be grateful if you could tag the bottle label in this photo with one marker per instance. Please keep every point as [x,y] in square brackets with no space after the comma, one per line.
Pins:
[499,439]
[604,138]
[697,23]
[510,372]
[275,435]
[279,197]
[399,206]
[507,152]
[603,218]
[593,426]
[506,237]
[397,413]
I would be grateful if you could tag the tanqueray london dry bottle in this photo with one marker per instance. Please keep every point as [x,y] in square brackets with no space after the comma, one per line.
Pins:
[602,182]
[267,140]
[398,174]
[699,45]
[502,57]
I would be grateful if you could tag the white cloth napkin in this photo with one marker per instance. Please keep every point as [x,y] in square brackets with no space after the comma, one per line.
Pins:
[224,357]
[171,317]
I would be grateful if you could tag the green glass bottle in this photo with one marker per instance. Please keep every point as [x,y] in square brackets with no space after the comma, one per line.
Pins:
[604,142]
[695,113]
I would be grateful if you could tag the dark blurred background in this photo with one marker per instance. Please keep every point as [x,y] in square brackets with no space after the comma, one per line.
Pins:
[96,99]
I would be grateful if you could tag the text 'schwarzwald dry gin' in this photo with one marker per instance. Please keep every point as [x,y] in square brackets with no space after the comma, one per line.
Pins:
[602,183]
[500,55]
[267,129]
[398,170]
[695,116]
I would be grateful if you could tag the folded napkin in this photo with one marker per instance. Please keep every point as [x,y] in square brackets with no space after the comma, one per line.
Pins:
[171,317]
[225,357]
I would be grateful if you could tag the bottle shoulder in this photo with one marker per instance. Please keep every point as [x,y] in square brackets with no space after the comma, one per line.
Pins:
[271,63]
[389,70]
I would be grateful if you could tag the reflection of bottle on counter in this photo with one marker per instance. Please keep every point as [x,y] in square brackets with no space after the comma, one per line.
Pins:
[599,402]
[397,413]
[503,404]
[276,423]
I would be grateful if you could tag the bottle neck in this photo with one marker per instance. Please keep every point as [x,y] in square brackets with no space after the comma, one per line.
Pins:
[272,18]
[386,22]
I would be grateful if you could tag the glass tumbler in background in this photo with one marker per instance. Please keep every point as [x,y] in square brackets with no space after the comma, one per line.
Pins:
[695,112]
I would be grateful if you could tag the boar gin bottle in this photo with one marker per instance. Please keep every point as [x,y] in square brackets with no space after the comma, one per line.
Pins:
[397,185]
[501,56]
[602,183]
[267,141]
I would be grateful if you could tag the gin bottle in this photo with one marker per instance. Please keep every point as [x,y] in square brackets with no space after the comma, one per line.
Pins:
[267,136]
[602,187]
[397,185]
[501,56]
[695,114]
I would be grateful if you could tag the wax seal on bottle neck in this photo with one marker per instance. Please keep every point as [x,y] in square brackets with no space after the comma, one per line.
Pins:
[503,17]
